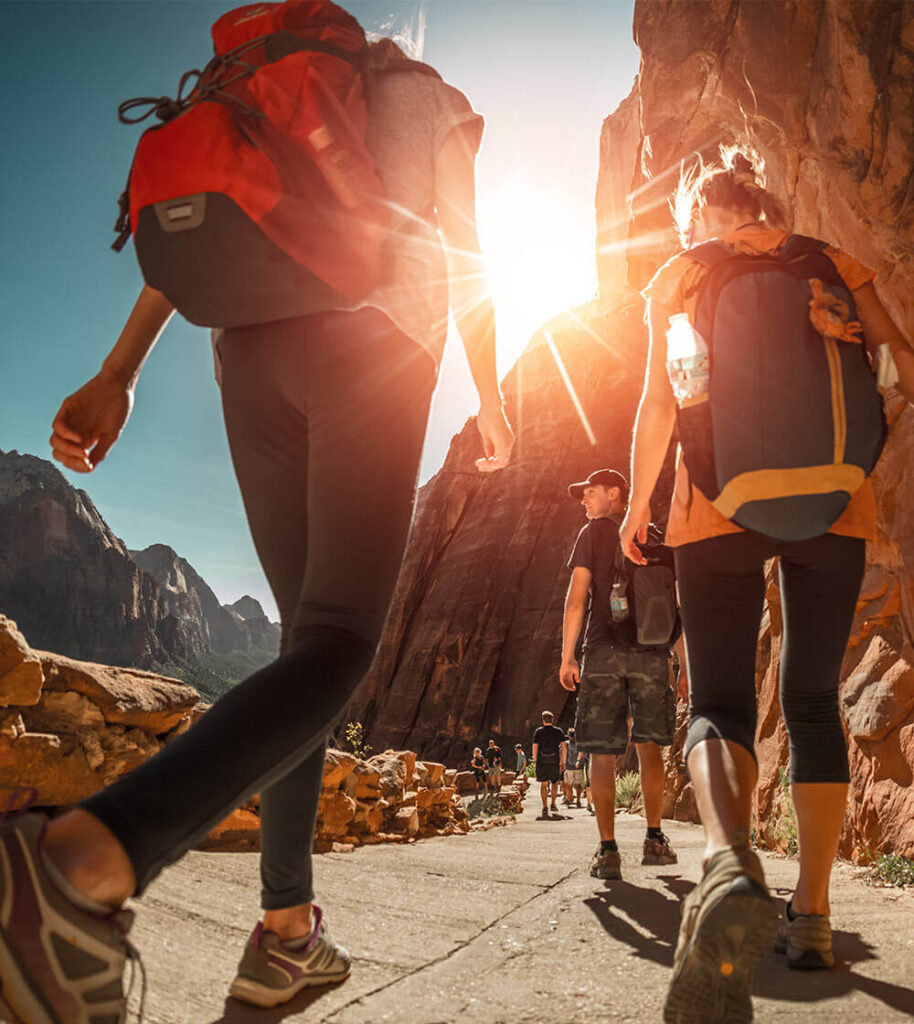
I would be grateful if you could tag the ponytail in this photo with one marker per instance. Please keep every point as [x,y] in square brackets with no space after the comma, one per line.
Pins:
[736,183]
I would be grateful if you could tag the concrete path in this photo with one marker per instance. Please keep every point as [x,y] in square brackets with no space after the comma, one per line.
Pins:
[504,927]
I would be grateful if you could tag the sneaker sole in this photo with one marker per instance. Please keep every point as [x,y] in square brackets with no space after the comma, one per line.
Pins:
[612,876]
[249,991]
[653,860]
[712,985]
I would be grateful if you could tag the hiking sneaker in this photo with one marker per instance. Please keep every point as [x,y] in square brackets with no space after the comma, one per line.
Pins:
[59,964]
[543,815]
[658,851]
[271,973]
[728,919]
[806,939]
[554,809]
[606,864]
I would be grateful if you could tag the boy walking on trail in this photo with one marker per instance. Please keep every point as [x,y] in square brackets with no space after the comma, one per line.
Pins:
[549,754]
[521,760]
[617,681]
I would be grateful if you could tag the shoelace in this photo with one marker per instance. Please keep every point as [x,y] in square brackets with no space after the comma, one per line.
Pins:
[136,966]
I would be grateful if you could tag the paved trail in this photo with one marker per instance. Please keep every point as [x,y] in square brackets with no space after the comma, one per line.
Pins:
[504,927]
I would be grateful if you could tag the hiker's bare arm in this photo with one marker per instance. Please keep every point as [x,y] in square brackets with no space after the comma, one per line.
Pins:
[91,419]
[535,750]
[563,748]
[575,609]
[880,329]
[470,297]
[653,430]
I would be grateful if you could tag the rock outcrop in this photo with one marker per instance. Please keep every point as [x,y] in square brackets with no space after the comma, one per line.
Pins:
[68,728]
[389,798]
[75,588]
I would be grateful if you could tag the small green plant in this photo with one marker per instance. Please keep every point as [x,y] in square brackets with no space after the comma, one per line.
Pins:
[530,770]
[627,787]
[784,826]
[354,736]
[891,869]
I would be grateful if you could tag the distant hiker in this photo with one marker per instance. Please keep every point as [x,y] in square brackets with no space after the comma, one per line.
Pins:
[493,767]
[326,402]
[573,781]
[478,764]
[585,758]
[618,679]
[549,754]
[759,328]
[521,766]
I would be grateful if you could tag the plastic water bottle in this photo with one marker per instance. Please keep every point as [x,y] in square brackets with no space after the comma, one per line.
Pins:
[687,360]
[618,602]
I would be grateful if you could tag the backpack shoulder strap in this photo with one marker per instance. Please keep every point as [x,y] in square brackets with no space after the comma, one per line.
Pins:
[710,254]
[797,245]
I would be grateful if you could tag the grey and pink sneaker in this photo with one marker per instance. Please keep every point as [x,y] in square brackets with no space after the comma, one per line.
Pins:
[271,972]
[59,964]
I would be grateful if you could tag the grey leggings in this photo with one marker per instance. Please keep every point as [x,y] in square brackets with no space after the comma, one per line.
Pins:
[722,590]
[326,419]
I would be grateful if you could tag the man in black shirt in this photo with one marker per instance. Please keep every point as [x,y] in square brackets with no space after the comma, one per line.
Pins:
[618,680]
[549,754]
[493,767]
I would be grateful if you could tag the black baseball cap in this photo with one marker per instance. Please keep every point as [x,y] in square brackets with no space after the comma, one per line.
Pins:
[604,477]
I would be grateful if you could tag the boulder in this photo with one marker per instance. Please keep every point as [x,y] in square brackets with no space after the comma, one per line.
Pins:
[21,677]
[393,773]
[406,821]
[124,696]
[239,832]
[335,812]
[337,765]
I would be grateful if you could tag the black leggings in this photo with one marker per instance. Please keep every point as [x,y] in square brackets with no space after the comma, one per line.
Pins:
[326,419]
[722,590]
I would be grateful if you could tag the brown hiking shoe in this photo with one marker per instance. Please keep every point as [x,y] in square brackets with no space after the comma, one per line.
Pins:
[659,851]
[58,963]
[806,939]
[606,864]
[728,919]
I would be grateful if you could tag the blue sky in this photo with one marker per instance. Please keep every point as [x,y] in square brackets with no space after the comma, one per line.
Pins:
[543,72]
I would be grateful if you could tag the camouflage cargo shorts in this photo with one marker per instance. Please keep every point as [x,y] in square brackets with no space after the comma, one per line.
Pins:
[617,684]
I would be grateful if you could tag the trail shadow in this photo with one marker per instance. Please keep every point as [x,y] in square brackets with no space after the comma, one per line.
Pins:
[556,816]
[655,912]
[236,1012]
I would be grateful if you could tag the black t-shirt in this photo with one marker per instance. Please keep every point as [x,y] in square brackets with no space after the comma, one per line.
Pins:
[478,762]
[548,739]
[595,549]
[493,756]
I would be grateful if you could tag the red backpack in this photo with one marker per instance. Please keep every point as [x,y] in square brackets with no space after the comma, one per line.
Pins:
[256,198]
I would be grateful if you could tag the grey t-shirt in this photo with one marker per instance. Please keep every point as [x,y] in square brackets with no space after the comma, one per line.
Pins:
[410,114]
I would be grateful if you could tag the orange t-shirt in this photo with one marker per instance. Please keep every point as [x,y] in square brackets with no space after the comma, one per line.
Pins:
[675,286]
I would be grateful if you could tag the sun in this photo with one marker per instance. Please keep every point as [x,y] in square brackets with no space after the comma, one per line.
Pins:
[539,256]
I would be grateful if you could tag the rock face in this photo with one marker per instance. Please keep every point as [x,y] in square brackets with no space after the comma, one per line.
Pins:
[193,613]
[75,588]
[822,90]
[78,726]
[471,649]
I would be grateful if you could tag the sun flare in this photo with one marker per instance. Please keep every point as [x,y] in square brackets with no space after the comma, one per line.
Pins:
[539,255]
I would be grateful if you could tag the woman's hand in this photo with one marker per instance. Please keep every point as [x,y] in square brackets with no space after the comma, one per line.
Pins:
[634,527]
[90,420]
[497,439]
